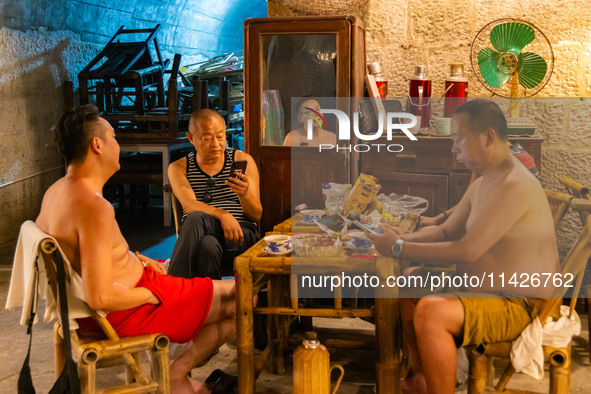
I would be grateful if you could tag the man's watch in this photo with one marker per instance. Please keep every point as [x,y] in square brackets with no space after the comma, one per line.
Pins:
[397,248]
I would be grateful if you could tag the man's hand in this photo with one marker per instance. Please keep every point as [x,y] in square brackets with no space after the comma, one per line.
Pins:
[232,230]
[238,185]
[158,267]
[384,240]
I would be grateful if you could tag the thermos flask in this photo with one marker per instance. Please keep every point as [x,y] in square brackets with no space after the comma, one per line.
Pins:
[456,86]
[311,367]
[420,96]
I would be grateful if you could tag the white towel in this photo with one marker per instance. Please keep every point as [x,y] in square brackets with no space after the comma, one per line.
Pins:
[527,355]
[22,286]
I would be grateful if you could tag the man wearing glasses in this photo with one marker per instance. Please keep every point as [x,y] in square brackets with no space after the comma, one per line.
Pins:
[219,212]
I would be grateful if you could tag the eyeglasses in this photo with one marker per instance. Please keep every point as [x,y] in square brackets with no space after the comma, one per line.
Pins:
[207,197]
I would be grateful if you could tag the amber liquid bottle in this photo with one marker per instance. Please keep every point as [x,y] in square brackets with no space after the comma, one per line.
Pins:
[311,367]
[420,96]
[456,90]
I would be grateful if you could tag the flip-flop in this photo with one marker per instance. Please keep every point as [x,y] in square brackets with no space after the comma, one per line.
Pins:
[221,382]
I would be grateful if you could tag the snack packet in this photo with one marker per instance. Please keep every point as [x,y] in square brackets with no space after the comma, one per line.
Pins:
[335,196]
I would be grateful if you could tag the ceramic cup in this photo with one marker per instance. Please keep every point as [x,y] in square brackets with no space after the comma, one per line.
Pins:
[441,125]
[278,243]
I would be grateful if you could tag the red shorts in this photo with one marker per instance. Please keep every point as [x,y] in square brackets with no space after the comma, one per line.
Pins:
[184,306]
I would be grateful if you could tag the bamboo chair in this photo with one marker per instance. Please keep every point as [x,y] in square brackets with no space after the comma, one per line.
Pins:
[107,350]
[177,208]
[558,358]
[580,191]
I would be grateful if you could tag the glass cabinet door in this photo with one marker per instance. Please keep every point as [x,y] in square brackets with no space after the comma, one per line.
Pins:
[294,65]
[286,59]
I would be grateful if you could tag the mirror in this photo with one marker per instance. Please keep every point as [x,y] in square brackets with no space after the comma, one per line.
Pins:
[294,65]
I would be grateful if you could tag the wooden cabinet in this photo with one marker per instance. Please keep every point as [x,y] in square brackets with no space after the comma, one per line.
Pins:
[285,59]
[427,168]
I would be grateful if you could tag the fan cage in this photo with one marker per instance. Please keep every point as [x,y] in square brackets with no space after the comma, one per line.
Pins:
[540,45]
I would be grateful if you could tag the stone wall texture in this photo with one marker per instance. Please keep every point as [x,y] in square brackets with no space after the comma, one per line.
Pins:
[45,42]
[401,34]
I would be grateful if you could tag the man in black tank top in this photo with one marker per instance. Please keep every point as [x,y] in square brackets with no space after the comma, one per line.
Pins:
[219,212]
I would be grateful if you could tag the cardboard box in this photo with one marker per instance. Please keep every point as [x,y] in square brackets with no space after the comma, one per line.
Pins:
[364,191]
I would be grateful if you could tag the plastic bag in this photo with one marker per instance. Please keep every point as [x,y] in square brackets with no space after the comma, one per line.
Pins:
[402,204]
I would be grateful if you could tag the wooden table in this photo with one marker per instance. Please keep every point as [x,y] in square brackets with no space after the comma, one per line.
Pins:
[255,262]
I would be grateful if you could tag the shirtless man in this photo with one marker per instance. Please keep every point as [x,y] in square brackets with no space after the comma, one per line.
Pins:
[299,136]
[502,224]
[131,288]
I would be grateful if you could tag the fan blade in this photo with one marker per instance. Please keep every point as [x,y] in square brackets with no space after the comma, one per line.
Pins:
[511,37]
[487,62]
[531,69]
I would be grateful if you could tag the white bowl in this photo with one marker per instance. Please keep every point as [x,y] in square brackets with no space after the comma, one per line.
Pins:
[278,243]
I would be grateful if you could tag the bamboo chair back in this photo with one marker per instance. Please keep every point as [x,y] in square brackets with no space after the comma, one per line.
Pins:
[574,263]
[559,203]
[107,349]
[177,209]
[580,191]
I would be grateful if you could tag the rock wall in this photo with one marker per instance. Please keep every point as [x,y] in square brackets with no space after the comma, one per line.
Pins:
[403,33]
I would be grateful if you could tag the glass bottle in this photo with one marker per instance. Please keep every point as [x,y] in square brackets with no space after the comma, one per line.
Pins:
[420,96]
[456,86]
[376,70]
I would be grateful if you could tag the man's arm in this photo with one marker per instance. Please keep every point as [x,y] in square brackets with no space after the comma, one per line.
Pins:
[497,214]
[248,189]
[95,233]
[177,174]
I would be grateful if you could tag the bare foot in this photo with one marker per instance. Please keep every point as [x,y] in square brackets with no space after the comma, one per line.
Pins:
[200,388]
[186,385]
[414,383]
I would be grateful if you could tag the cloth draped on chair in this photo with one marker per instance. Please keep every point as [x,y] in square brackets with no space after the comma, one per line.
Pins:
[527,355]
[22,282]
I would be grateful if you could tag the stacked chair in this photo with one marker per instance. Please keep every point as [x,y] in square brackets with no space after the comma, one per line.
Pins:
[126,81]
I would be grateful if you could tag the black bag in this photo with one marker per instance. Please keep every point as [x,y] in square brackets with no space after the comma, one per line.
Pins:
[68,381]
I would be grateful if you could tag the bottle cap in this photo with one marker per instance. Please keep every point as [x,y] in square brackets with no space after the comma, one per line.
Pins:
[311,336]
[374,68]
[456,73]
[421,72]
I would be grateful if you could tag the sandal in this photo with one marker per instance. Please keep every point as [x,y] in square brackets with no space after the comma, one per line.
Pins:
[220,382]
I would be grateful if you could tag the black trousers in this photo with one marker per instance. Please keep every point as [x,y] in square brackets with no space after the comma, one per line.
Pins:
[201,250]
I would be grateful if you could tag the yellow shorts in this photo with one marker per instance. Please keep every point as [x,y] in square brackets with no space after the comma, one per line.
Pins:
[490,318]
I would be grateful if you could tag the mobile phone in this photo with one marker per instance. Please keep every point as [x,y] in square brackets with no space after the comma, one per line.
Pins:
[238,167]
[363,227]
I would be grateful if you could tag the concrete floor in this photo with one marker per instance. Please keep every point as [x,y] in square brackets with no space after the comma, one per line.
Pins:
[359,365]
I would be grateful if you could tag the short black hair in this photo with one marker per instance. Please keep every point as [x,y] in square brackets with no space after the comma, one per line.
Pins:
[73,134]
[484,114]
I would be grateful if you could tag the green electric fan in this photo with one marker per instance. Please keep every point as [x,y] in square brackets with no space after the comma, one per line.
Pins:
[512,58]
